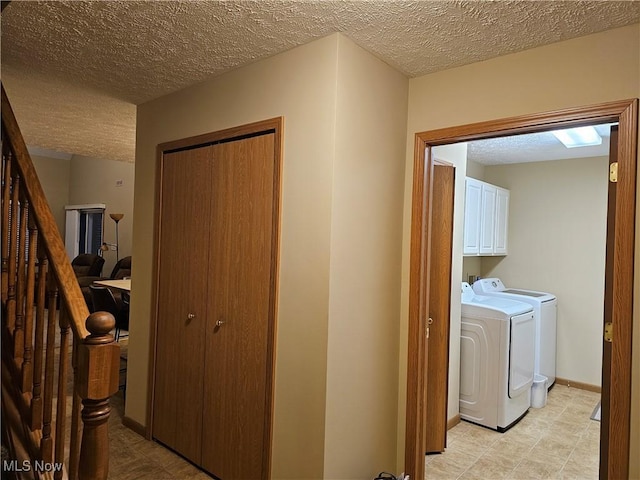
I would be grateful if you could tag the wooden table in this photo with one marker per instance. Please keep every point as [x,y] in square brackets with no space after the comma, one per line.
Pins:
[124,284]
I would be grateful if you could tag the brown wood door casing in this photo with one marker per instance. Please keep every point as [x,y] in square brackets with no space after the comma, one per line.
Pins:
[605,411]
[616,448]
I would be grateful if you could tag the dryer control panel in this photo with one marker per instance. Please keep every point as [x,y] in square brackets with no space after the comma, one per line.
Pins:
[487,285]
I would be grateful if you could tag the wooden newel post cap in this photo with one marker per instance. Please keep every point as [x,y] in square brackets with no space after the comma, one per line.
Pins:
[99,325]
[98,359]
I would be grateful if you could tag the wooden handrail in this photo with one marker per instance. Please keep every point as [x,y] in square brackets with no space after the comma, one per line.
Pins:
[50,237]
[46,331]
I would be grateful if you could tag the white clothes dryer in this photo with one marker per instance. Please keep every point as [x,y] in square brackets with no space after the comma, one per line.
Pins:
[545,307]
[496,359]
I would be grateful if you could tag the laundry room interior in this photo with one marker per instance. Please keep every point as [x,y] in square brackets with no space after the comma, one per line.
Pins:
[554,241]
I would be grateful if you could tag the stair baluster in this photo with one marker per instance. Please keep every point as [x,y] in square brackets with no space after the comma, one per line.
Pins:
[36,357]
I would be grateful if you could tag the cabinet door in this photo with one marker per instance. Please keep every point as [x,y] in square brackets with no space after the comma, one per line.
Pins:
[502,221]
[488,221]
[472,209]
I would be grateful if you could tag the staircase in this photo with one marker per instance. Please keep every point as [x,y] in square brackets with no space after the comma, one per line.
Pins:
[59,364]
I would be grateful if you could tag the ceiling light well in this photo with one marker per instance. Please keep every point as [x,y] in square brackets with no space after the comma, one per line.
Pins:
[578,137]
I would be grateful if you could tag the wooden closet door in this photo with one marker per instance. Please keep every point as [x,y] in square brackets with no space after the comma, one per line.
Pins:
[182,300]
[240,291]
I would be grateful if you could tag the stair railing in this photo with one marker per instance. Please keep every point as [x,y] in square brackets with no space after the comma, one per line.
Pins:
[46,330]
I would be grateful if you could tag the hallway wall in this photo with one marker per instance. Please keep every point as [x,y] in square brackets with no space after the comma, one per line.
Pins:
[537,80]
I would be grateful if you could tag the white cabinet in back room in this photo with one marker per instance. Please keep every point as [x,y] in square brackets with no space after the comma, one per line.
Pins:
[472,206]
[502,221]
[486,215]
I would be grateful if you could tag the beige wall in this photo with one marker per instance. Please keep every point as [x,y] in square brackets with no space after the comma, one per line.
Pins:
[84,180]
[54,174]
[475,170]
[343,179]
[557,243]
[94,181]
[365,267]
[542,79]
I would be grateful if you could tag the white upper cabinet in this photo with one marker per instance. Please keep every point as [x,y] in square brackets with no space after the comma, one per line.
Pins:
[502,221]
[487,219]
[486,214]
[472,205]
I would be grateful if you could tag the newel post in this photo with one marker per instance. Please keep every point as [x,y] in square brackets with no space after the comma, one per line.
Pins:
[96,382]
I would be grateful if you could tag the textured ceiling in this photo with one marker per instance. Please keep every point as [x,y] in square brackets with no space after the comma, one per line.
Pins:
[74,70]
[534,147]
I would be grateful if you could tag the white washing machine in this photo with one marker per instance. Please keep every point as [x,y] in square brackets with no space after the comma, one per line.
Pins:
[545,307]
[496,359]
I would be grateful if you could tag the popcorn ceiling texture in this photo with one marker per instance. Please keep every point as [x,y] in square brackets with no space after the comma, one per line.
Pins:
[75,70]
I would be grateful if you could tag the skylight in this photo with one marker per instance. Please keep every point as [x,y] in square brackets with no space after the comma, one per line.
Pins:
[578,137]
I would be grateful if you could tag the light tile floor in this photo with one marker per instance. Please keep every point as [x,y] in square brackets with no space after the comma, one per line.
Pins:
[559,441]
[132,457]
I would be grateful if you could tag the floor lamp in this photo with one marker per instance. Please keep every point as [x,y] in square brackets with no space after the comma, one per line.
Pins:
[116,217]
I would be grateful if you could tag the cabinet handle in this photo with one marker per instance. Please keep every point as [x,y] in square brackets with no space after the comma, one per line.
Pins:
[191,316]
[219,323]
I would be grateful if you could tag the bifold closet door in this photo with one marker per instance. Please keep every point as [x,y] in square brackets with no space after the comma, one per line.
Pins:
[182,300]
[216,299]
[240,292]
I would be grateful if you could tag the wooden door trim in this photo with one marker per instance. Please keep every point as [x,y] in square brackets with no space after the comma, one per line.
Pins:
[624,112]
[233,133]
[273,125]
[415,436]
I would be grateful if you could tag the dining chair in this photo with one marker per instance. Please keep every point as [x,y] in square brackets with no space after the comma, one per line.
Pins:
[104,301]
[121,270]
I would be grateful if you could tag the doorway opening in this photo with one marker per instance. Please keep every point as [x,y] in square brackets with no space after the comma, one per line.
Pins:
[616,370]
[556,243]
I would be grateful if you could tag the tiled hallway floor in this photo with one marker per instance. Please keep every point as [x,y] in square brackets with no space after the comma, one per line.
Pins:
[131,457]
[559,441]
